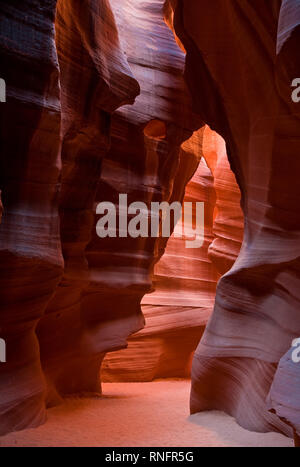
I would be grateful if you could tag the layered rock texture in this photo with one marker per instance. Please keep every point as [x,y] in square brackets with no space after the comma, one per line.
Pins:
[228,224]
[97,106]
[147,162]
[55,129]
[67,296]
[185,279]
[31,259]
[245,95]
[184,285]
[284,396]
[95,80]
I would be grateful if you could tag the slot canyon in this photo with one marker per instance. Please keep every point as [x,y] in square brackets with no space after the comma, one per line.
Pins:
[164,101]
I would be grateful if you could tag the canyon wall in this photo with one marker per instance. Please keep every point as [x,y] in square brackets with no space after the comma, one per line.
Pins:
[95,79]
[54,131]
[185,280]
[31,259]
[146,162]
[97,106]
[68,296]
[184,285]
[245,95]
[228,224]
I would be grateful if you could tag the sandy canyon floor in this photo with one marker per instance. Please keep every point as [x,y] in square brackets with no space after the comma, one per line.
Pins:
[139,414]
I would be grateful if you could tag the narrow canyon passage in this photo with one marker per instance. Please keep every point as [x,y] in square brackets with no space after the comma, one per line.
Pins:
[185,280]
[149,222]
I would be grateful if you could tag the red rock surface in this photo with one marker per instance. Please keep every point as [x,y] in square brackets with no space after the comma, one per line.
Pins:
[31,260]
[185,280]
[101,108]
[177,310]
[51,149]
[245,95]
[145,162]
[73,295]
[284,396]
[228,227]
[95,80]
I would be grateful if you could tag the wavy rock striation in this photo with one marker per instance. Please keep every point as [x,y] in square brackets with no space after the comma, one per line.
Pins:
[31,260]
[144,163]
[99,108]
[67,296]
[228,227]
[245,95]
[184,279]
[95,80]
[284,396]
[184,286]
[54,131]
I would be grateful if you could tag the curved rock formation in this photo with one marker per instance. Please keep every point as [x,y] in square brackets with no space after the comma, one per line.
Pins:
[185,280]
[143,163]
[245,95]
[73,135]
[59,282]
[228,228]
[284,396]
[95,80]
[91,75]
[31,260]
[184,286]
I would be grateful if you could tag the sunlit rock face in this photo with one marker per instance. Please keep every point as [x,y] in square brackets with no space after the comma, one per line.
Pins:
[95,80]
[228,227]
[245,95]
[145,162]
[67,296]
[184,286]
[54,132]
[185,279]
[97,106]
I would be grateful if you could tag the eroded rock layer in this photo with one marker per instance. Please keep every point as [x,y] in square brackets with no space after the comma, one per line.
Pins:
[184,286]
[185,279]
[144,163]
[54,132]
[228,226]
[104,111]
[67,296]
[284,396]
[95,80]
[30,252]
[245,95]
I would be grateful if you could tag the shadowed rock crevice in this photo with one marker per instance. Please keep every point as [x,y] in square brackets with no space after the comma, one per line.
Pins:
[67,296]
[98,106]
[249,103]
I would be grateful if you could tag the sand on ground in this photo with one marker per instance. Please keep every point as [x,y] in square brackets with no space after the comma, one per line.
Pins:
[152,414]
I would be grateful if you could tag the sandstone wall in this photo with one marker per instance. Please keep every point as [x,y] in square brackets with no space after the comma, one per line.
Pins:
[182,298]
[30,250]
[97,106]
[67,297]
[245,95]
